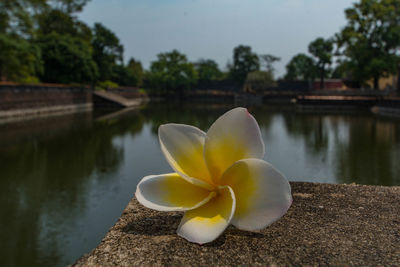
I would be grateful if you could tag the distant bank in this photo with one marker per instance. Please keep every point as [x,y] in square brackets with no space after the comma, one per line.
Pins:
[18,101]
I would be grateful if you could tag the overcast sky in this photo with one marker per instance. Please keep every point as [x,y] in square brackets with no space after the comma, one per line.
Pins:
[212,28]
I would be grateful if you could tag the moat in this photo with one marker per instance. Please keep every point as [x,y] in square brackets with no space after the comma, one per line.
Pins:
[65,180]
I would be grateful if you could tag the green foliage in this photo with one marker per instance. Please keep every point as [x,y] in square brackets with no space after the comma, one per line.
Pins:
[207,70]
[56,21]
[107,51]
[339,72]
[29,80]
[67,59]
[371,39]
[172,72]
[129,75]
[62,23]
[106,84]
[18,58]
[28,27]
[244,61]
[16,16]
[322,51]
[69,6]
[301,67]
[259,81]
[124,76]
[136,69]
[268,61]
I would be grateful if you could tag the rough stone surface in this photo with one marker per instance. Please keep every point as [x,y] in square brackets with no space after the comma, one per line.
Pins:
[336,225]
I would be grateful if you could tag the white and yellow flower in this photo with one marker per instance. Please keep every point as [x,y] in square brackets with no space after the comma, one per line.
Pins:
[220,178]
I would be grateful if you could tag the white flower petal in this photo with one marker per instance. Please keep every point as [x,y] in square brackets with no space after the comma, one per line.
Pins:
[183,146]
[170,192]
[263,195]
[206,223]
[232,137]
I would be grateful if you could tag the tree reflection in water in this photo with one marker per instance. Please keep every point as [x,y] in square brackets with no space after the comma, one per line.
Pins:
[65,180]
[46,169]
[370,153]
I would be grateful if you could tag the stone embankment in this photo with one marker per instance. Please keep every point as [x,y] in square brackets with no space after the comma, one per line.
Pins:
[45,99]
[336,225]
[26,100]
[33,100]
[108,99]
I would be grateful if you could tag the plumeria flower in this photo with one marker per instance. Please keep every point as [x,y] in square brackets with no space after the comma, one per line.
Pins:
[220,178]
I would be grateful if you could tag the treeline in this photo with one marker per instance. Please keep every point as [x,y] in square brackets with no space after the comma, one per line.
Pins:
[173,72]
[366,49]
[44,41]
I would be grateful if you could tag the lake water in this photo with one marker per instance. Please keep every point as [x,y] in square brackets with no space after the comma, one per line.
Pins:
[64,181]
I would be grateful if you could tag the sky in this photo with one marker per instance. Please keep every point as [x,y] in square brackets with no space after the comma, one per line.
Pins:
[211,29]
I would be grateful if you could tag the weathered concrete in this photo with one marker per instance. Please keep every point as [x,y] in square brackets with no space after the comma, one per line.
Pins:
[108,99]
[27,113]
[386,111]
[15,97]
[389,106]
[337,225]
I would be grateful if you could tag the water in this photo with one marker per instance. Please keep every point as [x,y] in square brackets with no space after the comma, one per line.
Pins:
[65,180]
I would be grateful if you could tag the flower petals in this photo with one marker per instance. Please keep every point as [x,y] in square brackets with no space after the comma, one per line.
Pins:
[170,192]
[182,146]
[233,136]
[263,195]
[206,223]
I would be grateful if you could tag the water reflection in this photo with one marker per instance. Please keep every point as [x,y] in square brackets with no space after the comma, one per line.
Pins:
[312,128]
[65,180]
[46,166]
[201,116]
[370,153]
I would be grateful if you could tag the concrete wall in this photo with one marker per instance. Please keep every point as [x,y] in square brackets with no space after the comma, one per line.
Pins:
[390,82]
[32,96]
[127,92]
[329,84]
[17,100]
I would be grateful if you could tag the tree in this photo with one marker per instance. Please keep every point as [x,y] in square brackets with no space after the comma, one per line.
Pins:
[26,29]
[19,56]
[259,81]
[19,59]
[121,75]
[322,51]
[66,43]
[16,16]
[244,61]
[172,71]
[63,23]
[137,71]
[301,67]
[207,70]
[370,42]
[67,59]
[268,61]
[107,51]
[69,6]
[130,75]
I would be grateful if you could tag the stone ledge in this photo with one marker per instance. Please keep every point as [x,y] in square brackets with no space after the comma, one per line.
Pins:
[24,113]
[327,224]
